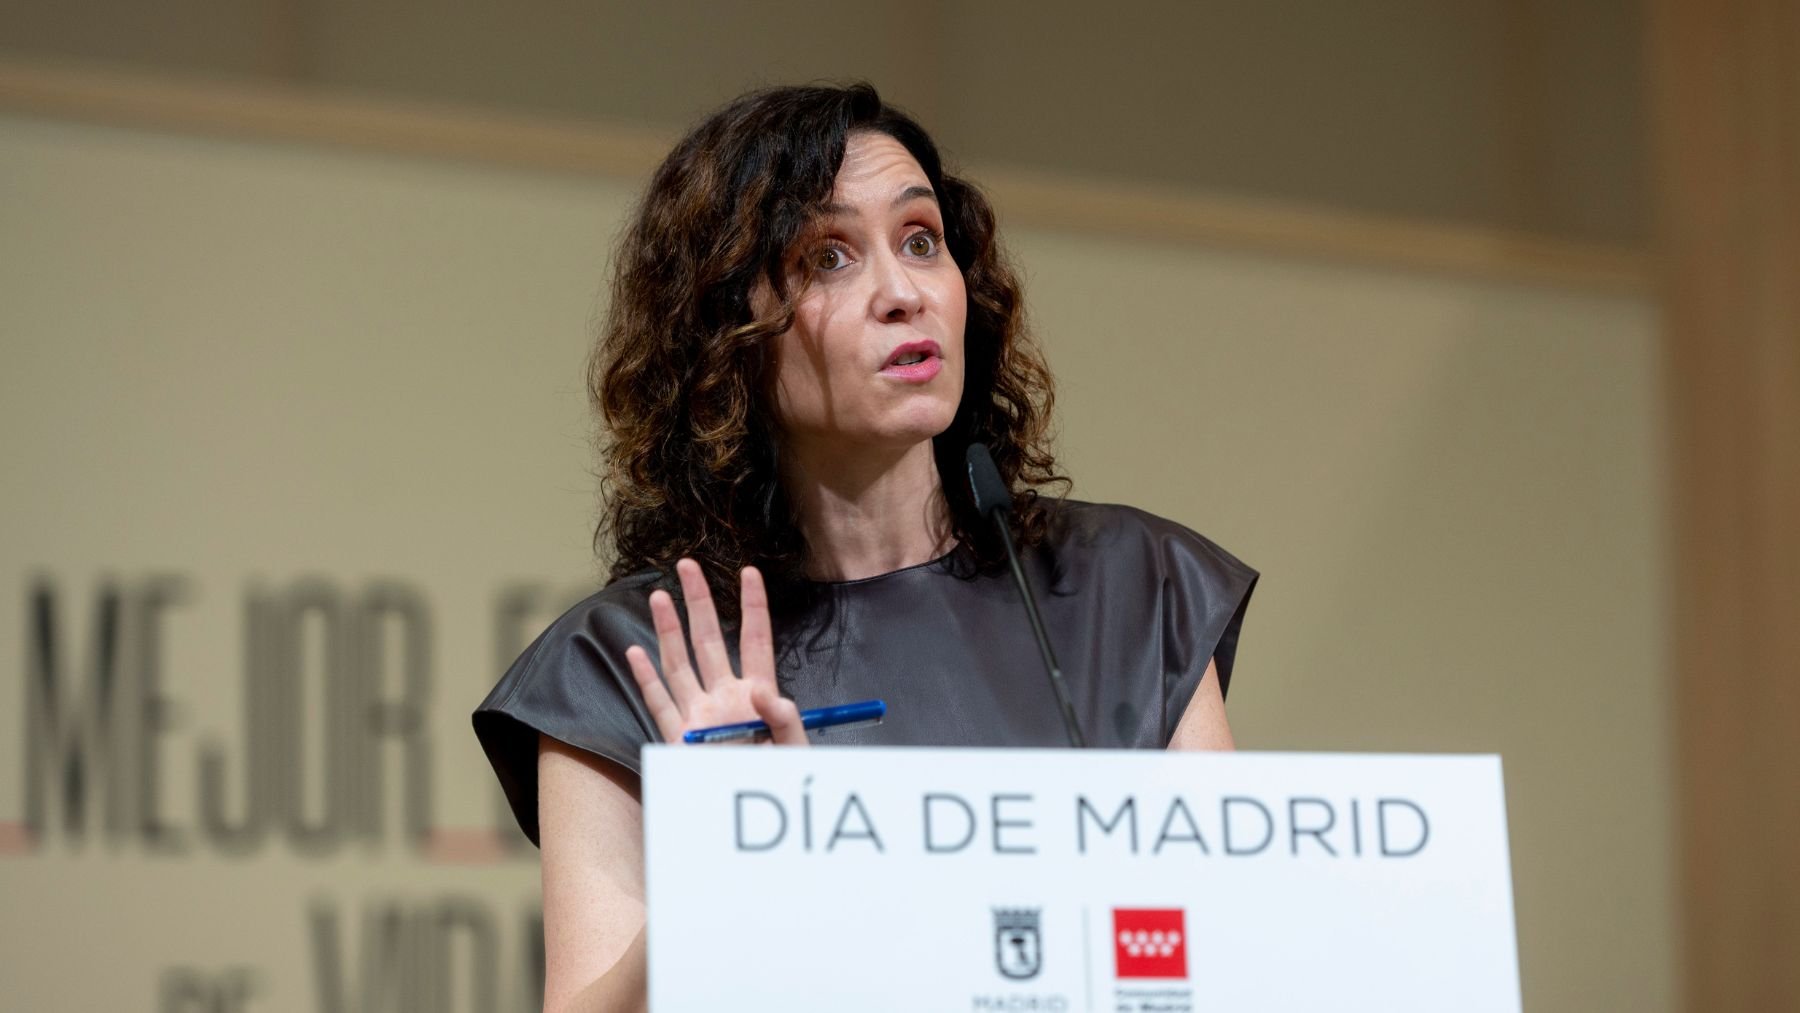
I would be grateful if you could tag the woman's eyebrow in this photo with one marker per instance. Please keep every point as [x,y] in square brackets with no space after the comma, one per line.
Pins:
[914,193]
[909,194]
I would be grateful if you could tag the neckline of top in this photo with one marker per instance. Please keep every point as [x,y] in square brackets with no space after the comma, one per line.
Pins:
[939,561]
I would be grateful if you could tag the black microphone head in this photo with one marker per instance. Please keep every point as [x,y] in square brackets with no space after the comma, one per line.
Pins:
[985,482]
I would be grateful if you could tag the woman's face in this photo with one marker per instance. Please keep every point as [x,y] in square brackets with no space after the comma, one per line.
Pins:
[875,353]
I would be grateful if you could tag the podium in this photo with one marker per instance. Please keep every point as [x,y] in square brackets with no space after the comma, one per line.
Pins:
[912,879]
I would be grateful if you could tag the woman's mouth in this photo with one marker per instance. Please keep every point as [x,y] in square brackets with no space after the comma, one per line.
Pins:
[915,361]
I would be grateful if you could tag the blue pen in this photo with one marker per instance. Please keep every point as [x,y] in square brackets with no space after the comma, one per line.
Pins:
[865,712]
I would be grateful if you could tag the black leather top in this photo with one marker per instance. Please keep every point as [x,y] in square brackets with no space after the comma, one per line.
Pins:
[1134,606]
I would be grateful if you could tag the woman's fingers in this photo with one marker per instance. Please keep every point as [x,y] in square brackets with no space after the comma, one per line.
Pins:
[656,697]
[703,625]
[684,699]
[779,713]
[756,645]
[673,645]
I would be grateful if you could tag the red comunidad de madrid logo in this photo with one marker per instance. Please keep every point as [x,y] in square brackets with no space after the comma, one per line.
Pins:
[1150,942]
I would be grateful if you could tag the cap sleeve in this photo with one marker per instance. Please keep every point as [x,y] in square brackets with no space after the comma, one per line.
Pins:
[572,684]
[1206,591]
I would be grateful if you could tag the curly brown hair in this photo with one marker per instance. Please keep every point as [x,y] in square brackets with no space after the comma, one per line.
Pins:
[681,373]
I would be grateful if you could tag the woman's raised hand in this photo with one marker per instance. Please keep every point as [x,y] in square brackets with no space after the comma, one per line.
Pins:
[714,695]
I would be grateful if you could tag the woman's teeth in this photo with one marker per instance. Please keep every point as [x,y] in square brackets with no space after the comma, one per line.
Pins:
[907,360]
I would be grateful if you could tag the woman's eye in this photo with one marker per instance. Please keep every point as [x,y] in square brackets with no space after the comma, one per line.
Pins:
[922,244]
[829,259]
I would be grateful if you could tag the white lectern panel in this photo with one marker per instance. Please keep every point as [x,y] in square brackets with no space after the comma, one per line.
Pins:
[1052,880]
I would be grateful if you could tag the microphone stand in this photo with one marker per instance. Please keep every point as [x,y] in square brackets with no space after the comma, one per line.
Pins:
[1037,628]
[993,498]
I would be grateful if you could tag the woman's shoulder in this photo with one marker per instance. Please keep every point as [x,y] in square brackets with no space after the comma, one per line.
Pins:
[1086,517]
[588,639]
[621,606]
[590,634]
[1128,534]
[573,684]
[1202,589]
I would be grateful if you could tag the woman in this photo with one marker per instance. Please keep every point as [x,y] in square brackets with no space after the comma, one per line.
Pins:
[810,323]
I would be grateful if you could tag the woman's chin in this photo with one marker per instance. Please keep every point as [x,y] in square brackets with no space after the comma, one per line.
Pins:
[900,428]
[921,425]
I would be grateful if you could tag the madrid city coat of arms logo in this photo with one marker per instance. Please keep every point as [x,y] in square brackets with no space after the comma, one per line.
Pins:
[1018,945]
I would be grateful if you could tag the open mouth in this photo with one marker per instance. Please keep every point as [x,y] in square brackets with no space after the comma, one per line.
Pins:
[913,353]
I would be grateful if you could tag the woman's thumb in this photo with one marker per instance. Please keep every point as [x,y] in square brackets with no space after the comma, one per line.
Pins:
[780,714]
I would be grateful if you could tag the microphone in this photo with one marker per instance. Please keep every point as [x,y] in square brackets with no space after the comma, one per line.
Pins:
[994,499]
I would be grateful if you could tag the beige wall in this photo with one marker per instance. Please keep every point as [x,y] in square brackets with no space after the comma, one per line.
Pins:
[247,363]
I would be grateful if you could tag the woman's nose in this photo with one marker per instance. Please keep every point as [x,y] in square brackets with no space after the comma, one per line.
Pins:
[897,293]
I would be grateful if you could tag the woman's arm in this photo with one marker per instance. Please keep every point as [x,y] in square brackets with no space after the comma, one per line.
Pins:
[1203,724]
[590,830]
